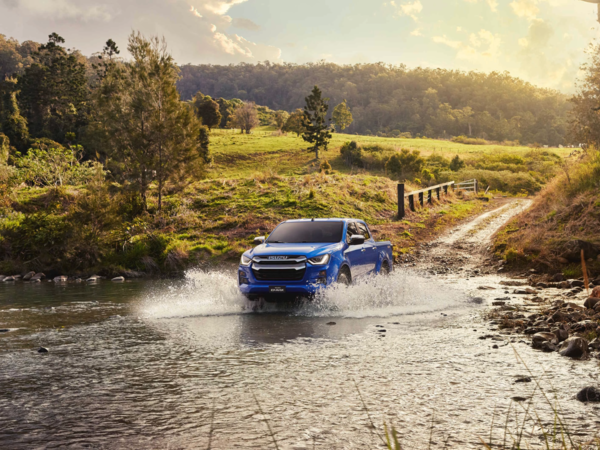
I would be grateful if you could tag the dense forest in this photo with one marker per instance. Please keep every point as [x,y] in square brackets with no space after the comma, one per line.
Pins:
[389,100]
[384,100]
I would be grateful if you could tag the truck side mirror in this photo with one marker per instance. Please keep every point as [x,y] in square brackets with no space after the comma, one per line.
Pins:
[357,239]
[259,240]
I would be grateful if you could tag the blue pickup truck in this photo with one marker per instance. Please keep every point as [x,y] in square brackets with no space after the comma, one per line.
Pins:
[300,257]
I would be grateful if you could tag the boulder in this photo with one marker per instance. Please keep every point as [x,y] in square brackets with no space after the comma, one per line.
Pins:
[595,344]
[542,285]
[564,285]
[38,276]
[94,278]
[595,292]
[118,279]
[527,291]
[7,279]
[561,334]
[574,347]
[61,279]
[591,302]
[42,350]
[28,276]
[576,283]
[572,250]
[584,325]
[589,394]
[558,277]
[560,316]
[539,339]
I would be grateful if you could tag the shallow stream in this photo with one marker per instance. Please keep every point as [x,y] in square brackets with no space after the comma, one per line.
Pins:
[190,364]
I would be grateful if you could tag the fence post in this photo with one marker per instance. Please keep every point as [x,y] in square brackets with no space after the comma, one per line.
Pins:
[437,191]
[411,202]
[400,200]
[476,186]
[429,197]
[421,198]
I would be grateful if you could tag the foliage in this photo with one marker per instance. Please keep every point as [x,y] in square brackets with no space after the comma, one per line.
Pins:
[53,91]
[342,117]
[15,57]
[386,98]
[352,153]
[55,167]
[207,110]
[469,141]
[325,167]
[204,144]
[280,118]
[295,123]
[4,149]
[315,113]
[584,117]
[12,124]
[456,164]
[226,108]
[405,163]
[150,131]
[245,117]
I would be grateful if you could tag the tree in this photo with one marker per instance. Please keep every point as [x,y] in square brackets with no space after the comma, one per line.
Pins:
[280,118]
[4,149]
[226,108]
[342,117]
[245,117]
[584,126]
[151,133]
[208,110]
[12,124]
[456,164]
[405,163]
[53,91]
[204,142]
[315,112]
[295,123]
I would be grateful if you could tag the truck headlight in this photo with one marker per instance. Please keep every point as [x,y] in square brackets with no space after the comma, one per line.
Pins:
[245,261]
[319,260]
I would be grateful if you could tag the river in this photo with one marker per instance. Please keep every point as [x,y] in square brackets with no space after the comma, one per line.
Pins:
[188,364]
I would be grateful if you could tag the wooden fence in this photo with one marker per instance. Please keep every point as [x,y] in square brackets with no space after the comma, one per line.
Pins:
[469,185]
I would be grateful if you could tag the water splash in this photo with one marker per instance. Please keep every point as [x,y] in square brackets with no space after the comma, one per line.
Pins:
[216,294]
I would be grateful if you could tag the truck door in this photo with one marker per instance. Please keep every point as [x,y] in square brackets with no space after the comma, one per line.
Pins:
[370,253]
[355,253]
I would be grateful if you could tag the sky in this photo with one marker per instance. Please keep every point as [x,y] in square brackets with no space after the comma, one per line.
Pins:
[541,41]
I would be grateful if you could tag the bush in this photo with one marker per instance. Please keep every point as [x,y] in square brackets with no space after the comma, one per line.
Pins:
[405,163]
[352,153]
[456,164]
[326,167]
[55,167]
[514,183]
[469,141]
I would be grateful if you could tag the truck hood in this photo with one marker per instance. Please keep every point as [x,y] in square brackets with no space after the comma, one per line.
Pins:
[309,250]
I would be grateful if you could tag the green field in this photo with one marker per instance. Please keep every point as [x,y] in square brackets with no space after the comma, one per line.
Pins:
[239,155]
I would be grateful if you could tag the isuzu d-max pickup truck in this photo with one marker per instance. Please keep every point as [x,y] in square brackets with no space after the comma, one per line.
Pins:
[300,257]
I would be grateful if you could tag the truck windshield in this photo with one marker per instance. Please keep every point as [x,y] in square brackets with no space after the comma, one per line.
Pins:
[310,232]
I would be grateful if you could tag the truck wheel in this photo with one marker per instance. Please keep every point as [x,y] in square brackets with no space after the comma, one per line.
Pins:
[344,277]
[385,268]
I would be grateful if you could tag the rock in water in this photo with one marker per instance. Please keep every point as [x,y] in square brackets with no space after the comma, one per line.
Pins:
[589,394]
[574,347]
[28,276]
[596,292]
[38,277]
[591,302]
[61,279]
[540,338]
[558,277]
[93,278]
[117,279]
[42,350]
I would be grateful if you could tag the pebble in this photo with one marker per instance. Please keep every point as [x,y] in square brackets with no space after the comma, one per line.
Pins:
[43,350]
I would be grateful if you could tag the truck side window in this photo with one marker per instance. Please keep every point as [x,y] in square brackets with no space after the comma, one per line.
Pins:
[363,230]
[351,230]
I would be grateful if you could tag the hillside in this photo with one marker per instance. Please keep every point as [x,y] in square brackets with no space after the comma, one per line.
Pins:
[564,219]
[389,100]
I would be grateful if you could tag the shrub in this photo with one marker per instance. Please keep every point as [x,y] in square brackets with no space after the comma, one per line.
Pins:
[352,153]
[405,163]
[469,141]
[326,167]
[55,167]
[456,164]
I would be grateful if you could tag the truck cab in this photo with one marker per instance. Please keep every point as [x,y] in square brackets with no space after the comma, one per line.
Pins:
[301,257]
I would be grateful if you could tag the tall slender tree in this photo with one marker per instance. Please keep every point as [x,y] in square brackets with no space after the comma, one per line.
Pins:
[208,110]
[153,136]
[315,121]
[12,124]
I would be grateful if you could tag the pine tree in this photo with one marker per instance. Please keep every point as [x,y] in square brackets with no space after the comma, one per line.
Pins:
[207,110]
[12,124]
[342,117]
[315,112]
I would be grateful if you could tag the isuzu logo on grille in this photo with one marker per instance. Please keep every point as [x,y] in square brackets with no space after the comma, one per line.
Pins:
[277,257]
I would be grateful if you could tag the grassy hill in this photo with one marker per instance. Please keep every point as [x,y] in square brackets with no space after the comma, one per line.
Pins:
[564,218]
[255,182]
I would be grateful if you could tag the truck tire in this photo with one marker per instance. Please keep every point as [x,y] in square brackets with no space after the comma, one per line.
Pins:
[344,276]
[385,268]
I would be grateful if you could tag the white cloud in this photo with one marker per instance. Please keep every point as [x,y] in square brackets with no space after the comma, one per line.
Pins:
[61,9]
[493,4]
[416,32]
[408,9]
[481,45]
[219,7]
[525,8]
[195,12]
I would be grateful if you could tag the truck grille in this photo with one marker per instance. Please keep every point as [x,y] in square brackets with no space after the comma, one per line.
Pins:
[271,268]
